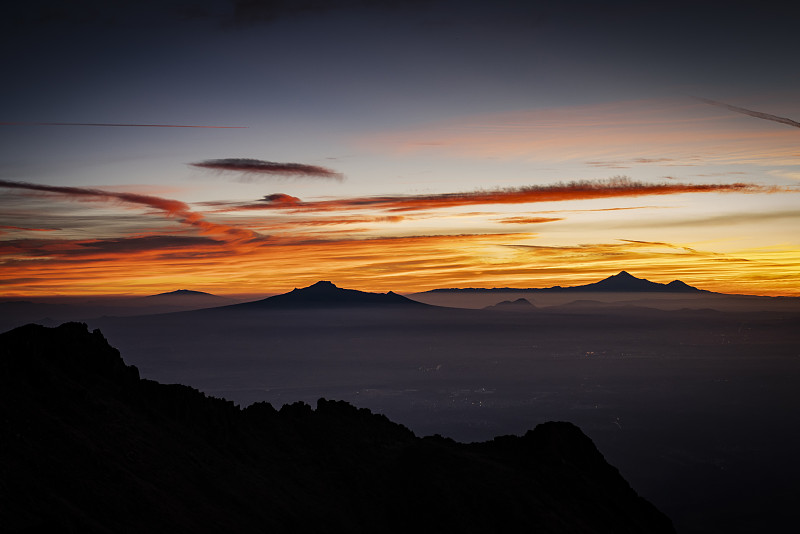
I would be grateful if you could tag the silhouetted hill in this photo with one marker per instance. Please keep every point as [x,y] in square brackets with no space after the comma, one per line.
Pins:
[619,283]
[183,293]
[325,294]
[88,446]
[183,298]
[512,305]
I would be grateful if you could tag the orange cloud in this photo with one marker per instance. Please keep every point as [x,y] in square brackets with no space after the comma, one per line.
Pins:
[529,220]
[580,190]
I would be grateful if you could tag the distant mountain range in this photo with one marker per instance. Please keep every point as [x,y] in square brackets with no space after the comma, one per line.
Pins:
[623,282]
[325,294]
[88,446]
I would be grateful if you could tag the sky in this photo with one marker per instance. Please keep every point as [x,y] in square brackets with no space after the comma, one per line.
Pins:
[254,146]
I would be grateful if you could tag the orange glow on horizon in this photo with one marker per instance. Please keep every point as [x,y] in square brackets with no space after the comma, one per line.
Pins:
[404,265]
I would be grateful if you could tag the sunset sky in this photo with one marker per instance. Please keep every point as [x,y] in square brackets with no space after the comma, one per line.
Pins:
[254,146]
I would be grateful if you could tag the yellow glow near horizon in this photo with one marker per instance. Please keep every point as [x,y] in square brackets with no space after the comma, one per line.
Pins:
[412,264]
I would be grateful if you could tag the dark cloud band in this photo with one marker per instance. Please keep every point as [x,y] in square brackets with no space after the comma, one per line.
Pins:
[257,166]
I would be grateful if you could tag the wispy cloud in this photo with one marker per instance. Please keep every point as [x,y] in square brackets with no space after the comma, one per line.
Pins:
[114,124]
[26,229]
[171,208]
[626,164]
[756,114]
[655,260]
[251,168]
[529,220]
[660,244]
[577,190]
[109,249]
[324,222]
[654,132]
[730,219]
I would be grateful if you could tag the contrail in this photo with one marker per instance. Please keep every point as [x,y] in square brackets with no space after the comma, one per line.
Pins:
[112,124]
[745,111]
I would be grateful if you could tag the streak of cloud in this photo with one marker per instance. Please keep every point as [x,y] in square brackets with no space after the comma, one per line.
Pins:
[660,244]
[742,218]
[579,190]
[752,113]
[26,229]
[172,208]
[529,220]
[250,167]
[628,251]
[109,249]
[326,222]
[114,124]
[626,164]
[605,209]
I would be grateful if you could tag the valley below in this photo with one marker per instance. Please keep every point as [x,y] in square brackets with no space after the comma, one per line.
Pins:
[696,408]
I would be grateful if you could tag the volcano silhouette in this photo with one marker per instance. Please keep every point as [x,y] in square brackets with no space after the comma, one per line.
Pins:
[626,282]
[325,294]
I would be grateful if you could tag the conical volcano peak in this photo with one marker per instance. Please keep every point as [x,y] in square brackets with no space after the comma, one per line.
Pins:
[323,285]
[625,281]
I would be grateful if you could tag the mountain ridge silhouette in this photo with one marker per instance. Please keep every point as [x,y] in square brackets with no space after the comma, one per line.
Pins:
[621,282]
[89,446]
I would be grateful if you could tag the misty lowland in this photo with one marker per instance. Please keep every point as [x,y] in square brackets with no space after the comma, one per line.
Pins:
[326,408]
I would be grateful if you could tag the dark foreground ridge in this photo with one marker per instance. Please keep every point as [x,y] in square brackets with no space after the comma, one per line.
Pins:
[88,446]
[325,294]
